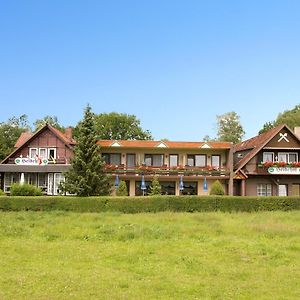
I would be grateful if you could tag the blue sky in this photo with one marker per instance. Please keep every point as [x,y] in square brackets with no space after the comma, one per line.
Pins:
[173,64]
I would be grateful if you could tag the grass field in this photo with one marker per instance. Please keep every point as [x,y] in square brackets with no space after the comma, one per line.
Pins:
[58,255]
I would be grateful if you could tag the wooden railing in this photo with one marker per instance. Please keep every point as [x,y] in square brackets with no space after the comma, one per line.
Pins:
[165,170]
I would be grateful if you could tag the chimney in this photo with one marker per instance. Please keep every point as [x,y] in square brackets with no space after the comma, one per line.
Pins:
[68,132]
[297,132]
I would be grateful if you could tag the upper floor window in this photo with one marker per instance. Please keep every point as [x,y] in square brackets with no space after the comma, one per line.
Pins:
[154,160]
[43,153]
[268,156]
[112,158]
[130,160]
[288,157]
[173,160]
[216,161]
[198,160]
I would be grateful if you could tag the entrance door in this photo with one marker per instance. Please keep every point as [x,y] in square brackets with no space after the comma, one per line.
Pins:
[54,181]
[282,190]
[296,190]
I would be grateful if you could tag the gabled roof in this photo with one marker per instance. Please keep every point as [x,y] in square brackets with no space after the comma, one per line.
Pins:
[257,143]
[168,144]
[27,137]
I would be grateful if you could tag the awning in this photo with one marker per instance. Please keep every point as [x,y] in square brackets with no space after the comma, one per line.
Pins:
[55,168]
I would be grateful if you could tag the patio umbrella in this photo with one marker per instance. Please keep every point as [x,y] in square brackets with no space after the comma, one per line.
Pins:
[205,185]
[117,181]
[143,185]
[181,185]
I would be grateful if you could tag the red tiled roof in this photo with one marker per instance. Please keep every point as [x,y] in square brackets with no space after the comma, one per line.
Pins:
[62,136]
[23,138]
[168,144]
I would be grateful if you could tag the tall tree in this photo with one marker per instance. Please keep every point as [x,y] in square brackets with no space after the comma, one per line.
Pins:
[289,117]
[230,128]
[10,132]
[51,120]
[118,126]
[86,175]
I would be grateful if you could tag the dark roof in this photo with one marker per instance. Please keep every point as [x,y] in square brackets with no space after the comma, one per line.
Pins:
[255,144]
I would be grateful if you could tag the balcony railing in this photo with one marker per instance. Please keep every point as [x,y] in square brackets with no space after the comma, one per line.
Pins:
[165,170]
[59,161]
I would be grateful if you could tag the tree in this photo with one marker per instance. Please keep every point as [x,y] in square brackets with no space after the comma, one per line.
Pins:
[266,127]
[86,175]
[117,126]
[155,187]
[289,117]
[230,128]
[10,132]
[51,120]
[122,189]
[217,188]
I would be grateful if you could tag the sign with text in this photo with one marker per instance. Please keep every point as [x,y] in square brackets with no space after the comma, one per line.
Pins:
[284,171]
[27,161]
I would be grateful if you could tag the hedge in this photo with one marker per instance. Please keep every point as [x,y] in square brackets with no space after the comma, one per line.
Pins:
[148,204]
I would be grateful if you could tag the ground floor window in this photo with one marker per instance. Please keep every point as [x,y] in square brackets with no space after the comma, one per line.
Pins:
[190,188]
[167,187]
[9,179]
[282,190]
[264,189]
[138,191]
[296,189]
[54,181]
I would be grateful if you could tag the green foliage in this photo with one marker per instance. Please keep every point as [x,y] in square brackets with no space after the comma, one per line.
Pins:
[122,189]
[149,204]
[155,187]
[117,126]
[217,188]
[10,132]
[2,193]
[51,120]
[25,190]
[86,175]
[230,128]
[289,117]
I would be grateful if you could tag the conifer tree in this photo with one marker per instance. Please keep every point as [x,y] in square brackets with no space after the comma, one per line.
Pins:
[122,189]
[155,187]
[86,176]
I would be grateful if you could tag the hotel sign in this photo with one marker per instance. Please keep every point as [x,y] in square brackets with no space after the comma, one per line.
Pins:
[26,161]
[284,171]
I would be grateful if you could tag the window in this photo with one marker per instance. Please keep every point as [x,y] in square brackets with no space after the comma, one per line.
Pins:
[198,160]
[282,190]
[130,160]
[112,158]
[264,189]
[51,153]
[173,160]
[167,187]
[268,156]
[216,161]
[190,188]
[288,157]
[42,153]
[33,152]
[155,160]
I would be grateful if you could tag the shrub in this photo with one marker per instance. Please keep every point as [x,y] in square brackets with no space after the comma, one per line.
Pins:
[2,193]
[217,188]
[149,204]
[155,187]
[122,189]
[24,190]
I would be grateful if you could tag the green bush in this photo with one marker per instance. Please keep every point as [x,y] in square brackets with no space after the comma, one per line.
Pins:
[155,187]
[149,204]
[217,188]
[25,190]
[122,189]
[2,193]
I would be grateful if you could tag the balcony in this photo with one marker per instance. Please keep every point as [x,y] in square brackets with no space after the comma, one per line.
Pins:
[166,171]
[58,161]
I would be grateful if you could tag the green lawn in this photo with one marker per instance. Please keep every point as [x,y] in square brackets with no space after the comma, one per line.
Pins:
[58,255]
